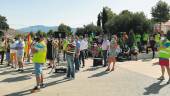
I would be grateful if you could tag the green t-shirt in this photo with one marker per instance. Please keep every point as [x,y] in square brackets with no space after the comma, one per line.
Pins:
[65,43]
[138,38]
[145,37]
[157,38]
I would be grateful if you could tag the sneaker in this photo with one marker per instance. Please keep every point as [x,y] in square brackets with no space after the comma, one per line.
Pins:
[19,70]
[72,78]
[67,77]
[42,85]
[83,66]
[35,89]
[107,69]
[22,70]
[168,81]
[161,78]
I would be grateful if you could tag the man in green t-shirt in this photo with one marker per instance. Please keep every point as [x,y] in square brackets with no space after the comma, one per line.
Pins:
[39,50]
[65,43]
[164,55]
[138,41]
[145,38]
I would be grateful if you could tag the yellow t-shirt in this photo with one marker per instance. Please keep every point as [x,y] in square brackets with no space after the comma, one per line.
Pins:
[40,56]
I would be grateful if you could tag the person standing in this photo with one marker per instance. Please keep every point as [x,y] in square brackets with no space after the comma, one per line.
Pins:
[152,44]
[112,53]
[13,59]
[77,54]
[157,40]
[51,52]
[39,50]
[86,47]
[125,38]
[145,38]
[2,50]
[105,48]
[70,54]
[164,55]
[82,51]
[8,52]
[138,41]
[20,53]
[65,43]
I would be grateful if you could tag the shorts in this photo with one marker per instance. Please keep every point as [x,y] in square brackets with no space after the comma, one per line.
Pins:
[38,69]
[20,58]
[163,62]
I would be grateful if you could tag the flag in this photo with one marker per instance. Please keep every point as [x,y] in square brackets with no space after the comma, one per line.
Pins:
[29,40]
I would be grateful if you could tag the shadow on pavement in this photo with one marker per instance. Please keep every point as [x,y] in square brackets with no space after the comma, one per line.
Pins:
[7,72]
[27,92]
[55,75]
[92,68]
[16,79]
[57,82]
[26,70]
[154,88]
[155,63]
[99,74]
[146,60]
[22,93]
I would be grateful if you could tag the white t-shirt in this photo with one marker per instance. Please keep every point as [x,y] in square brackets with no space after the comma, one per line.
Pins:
[19,45]
[86,43]
[12,46]
[105,44]
[82,45]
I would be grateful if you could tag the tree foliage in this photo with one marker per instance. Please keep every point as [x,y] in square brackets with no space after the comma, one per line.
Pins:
[89,29]
[105,16]
[65,28]
[3,23]
[39,32]
[161,12]
[126,21]
[50,33]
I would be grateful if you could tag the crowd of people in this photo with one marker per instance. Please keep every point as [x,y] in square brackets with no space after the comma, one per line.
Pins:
[78,48]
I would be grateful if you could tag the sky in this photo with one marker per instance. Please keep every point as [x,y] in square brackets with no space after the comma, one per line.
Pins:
[75,13]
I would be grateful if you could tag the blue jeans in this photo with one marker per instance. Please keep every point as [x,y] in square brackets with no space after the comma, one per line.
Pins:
[82,57]
[70,66]
[77,63]
[105,57]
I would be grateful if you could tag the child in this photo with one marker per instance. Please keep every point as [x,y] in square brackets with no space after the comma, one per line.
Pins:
[112,53]
[164,55]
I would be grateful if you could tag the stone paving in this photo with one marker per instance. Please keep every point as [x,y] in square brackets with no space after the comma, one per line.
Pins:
[131,78]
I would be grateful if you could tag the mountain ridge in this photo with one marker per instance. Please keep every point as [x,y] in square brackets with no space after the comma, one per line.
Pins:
[43,28]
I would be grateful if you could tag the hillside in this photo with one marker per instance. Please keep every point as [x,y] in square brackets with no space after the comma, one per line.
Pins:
[42,28]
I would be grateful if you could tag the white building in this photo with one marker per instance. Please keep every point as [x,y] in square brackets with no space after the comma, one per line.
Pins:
[164,27]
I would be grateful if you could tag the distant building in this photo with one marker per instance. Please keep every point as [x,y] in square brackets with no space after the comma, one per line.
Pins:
[164,27]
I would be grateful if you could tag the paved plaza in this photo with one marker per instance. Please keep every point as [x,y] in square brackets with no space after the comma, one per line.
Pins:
[130,78]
